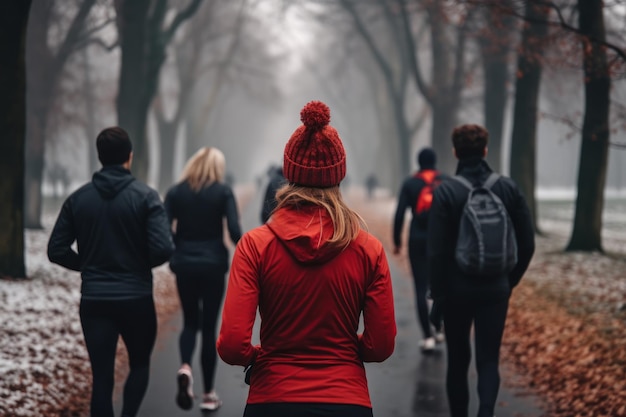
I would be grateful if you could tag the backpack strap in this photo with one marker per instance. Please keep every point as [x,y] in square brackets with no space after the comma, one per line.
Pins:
[489,182]
[491,179]
[463,181]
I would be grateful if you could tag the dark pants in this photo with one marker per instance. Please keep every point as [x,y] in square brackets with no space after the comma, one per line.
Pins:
[419,266]
[306,410]
[488,318]
[201,297]
[103,321]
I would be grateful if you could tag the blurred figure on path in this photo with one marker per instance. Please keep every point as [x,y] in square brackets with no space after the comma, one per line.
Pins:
[371,182]
[121,231]
[196,208]
[416,195]
[477,297]
[312,271]
[277,180]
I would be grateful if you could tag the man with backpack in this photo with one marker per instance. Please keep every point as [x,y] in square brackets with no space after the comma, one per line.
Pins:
[416,194]
[480,241]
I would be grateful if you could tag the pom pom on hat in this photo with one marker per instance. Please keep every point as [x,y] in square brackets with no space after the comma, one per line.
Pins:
[314,155]
[315,115]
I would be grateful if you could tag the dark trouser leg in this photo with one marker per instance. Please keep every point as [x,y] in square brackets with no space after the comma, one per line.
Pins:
[458,324]
[138,329]
[488,330]
[212,295]
[101,334]
[419,266]
[189,293]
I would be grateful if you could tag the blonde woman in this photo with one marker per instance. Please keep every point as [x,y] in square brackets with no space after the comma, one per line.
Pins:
[196,207]
[312,271]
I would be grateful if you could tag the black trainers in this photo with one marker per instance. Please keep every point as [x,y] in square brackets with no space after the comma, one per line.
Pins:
[184,397]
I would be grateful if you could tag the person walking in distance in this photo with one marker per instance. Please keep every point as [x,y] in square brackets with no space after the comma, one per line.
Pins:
[480,243]
[416,195]
[311,271]
[277,180]
[197,207]
[121,231]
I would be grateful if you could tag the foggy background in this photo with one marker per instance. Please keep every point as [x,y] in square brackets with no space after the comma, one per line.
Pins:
[247,93]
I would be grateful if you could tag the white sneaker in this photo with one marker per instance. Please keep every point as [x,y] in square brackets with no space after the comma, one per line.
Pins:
[428,344]
[184,397]
[210,401]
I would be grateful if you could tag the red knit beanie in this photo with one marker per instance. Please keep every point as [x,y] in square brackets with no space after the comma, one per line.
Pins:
[314,155]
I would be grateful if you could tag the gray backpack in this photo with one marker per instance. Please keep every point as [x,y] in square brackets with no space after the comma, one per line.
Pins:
[486,244]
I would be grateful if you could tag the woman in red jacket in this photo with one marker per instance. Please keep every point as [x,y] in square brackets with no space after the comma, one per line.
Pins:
[311,271]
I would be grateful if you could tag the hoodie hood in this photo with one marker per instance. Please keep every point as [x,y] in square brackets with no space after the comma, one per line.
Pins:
[304,232]
[474,168]
[110,180]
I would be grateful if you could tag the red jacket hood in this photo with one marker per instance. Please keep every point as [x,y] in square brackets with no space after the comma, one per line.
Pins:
[305,231]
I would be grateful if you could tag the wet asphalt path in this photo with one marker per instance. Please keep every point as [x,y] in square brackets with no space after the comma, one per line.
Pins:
[406,385]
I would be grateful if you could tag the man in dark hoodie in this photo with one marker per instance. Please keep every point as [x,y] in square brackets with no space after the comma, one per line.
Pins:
[122,232]
[480,300]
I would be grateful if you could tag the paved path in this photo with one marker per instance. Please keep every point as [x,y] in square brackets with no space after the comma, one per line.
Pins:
[406,385]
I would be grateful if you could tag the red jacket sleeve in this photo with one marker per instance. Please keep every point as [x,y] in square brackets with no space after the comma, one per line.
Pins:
[242,297]
[378,339]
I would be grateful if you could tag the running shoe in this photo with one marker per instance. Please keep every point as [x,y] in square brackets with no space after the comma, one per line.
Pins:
[210,401]
[184,397]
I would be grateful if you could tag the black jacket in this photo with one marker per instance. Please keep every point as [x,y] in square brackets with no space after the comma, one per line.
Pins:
[449,199]
[121,231]
[199,219]
[277,180]
[407,199]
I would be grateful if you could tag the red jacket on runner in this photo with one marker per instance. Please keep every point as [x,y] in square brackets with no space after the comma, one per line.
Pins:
[310,299]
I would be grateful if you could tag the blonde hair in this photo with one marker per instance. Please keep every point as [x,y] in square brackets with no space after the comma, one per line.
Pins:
[346,222]
[205,167]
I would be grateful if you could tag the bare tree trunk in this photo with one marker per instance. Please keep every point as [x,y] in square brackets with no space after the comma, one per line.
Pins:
[90,125]
[495,50]
[40,80]
[587,232]
[13,22]
[167,137]
[443,122]
[143,43]
[44,68]
[523,155]
[131,116]
[35,144]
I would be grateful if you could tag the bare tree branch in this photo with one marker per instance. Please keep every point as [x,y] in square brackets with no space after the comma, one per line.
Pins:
[180,18]
[369,40]
[73,34]
[562,23]
[98,42]
[413,56]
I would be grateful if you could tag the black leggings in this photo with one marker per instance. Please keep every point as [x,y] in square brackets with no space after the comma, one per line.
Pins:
[419,267]
[306,410]
[201,297]
[488,318]
[103,321]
